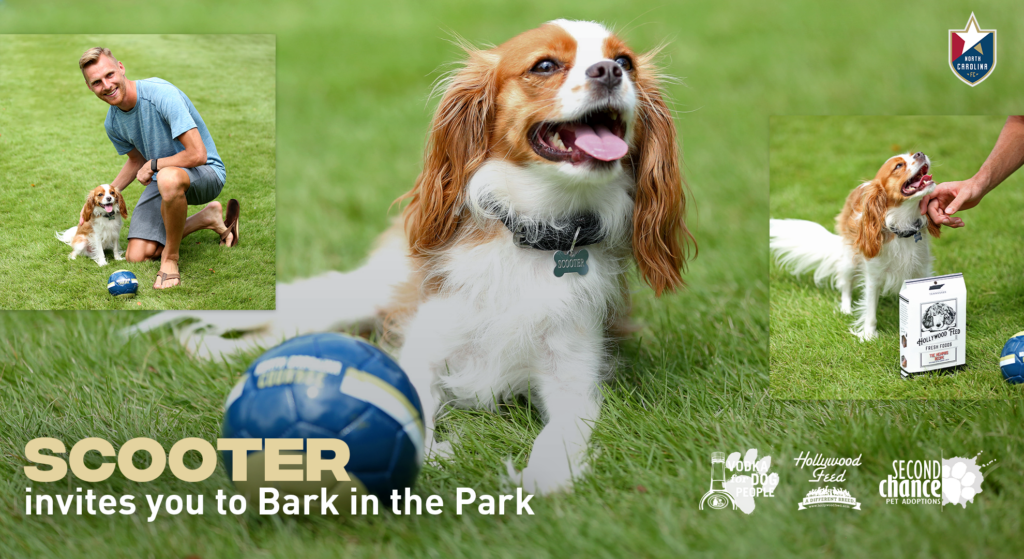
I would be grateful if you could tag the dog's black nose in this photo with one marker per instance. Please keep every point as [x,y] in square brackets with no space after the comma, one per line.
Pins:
[606,73]
[918,155]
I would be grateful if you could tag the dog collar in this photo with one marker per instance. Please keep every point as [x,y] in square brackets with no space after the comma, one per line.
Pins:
[111,215]
[906,233]
[558,235]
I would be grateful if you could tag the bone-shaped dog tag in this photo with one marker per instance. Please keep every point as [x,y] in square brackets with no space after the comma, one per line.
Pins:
[568,263]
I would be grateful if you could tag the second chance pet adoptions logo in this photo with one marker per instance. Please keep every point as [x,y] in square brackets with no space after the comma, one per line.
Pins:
[972,52]
[954,481]
[750,478]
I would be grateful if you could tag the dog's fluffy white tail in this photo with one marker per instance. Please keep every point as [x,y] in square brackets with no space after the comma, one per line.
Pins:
[331,301]
[66,236]
[801,246]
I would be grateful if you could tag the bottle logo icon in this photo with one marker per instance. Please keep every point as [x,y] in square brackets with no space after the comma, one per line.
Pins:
[717,496]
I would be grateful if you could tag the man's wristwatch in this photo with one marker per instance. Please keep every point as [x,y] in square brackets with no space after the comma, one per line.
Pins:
[152,165]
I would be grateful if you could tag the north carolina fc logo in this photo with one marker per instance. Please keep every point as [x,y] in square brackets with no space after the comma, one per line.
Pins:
[972,52]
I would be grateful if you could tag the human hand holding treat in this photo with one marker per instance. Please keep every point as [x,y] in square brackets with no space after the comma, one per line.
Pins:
[1006,157]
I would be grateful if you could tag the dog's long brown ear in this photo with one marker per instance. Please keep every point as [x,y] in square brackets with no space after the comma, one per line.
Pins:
[456,147]
[873,205]
[120,203]
[661,240]
[90,205]
[933,228]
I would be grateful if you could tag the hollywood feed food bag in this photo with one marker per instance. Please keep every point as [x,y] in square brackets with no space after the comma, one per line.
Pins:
[933,324]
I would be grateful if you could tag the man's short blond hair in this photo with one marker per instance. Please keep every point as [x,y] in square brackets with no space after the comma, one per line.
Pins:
[92,55]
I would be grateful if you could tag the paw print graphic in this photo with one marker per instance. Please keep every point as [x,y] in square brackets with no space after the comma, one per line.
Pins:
[759,482]
[961,480]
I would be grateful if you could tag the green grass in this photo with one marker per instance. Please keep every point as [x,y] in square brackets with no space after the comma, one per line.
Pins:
[815,162]
[353,114]
[655,435]
[55,151]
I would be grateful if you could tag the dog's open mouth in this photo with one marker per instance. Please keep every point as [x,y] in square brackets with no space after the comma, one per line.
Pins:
[917,182]
[598,136]
[109,208]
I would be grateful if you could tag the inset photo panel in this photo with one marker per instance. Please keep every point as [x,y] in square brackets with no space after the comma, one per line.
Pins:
[897,262]
[138,172]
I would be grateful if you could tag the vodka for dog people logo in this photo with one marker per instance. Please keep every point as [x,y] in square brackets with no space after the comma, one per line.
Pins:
[972,52]
[953,481]
[826,470]
[736,483]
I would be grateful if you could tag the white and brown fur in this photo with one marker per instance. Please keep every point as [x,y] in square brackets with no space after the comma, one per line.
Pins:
[864,247]
[98,232]
[476,319]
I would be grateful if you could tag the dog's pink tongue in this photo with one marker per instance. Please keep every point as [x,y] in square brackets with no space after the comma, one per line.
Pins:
[600,143]
[108,208]
[922,182]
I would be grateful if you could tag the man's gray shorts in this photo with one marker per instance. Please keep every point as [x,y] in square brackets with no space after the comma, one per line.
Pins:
[147,223]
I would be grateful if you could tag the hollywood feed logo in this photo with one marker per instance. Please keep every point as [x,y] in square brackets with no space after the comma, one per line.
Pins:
[928,482]
[826,470]
[749,479]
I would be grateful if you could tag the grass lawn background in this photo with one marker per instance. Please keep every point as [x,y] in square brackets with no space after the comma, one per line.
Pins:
[815,162]
[353,115]
[55,151]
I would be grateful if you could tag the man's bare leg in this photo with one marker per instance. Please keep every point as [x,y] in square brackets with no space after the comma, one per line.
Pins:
[210,217]
[140,250]
[172,183]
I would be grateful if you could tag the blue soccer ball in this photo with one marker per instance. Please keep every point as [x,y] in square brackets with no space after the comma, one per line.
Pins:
[1011,360]
[330,386]
[122,283]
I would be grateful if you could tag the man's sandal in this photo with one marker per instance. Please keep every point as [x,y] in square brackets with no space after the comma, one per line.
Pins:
[164,277]
[231,222]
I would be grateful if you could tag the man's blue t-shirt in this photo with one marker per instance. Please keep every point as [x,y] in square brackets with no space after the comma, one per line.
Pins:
[161,114]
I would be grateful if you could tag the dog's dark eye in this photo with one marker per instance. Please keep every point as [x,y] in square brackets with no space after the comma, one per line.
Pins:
[545,66]
[625,62]
[898,165]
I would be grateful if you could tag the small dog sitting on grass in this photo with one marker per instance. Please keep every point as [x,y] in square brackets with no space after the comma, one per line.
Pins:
[101,226]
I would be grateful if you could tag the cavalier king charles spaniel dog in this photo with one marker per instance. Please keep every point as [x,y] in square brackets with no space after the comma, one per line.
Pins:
[551,168]
[101,225]
[882,239]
